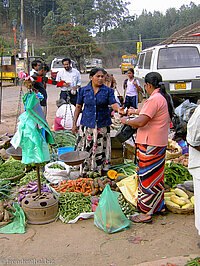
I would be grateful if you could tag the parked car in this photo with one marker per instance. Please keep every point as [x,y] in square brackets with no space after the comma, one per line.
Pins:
[178,64]
[56,65]
[91,63]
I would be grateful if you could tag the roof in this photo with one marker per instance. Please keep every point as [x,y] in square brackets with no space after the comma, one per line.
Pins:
[189,34]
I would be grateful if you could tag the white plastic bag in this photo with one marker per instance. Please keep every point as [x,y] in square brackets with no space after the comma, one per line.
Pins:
[56,175]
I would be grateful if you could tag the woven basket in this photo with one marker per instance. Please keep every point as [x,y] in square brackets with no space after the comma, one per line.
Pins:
[173,145]
[179,211]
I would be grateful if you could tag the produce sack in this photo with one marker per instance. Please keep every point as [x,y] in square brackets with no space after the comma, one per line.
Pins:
[56,175]
[108,215]
[17,226]
[129,188]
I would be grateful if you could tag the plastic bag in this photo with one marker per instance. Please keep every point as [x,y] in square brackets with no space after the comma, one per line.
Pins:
[185,110]
[56,175]
[128,186]
[108,215]
[29,137]
[17,226]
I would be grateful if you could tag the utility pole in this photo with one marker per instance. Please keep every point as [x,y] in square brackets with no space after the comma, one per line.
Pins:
[22,27]
[2,50]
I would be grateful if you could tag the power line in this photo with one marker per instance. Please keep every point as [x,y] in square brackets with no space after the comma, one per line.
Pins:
[97,43]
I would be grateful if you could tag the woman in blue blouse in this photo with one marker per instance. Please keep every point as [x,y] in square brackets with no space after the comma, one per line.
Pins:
[94,133]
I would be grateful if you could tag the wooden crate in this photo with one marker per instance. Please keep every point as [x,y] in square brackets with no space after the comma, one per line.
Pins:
[117,160]
[116,153]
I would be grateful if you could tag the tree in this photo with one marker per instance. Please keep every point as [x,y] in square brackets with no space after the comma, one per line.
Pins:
[109,13]
[77,12]
[73,41]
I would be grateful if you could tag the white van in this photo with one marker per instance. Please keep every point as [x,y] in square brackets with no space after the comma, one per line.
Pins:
[56,65]
[178,64]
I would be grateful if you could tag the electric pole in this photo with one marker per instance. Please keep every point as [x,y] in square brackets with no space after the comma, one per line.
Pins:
[22,26]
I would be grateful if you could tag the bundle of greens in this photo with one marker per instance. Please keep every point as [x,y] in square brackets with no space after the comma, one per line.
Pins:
[176,173]
[11,168]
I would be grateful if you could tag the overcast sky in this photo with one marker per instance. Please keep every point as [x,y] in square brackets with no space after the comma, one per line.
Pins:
[137,6]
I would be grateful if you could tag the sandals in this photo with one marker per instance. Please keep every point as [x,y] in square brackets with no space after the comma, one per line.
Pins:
[141,218]
[163,212]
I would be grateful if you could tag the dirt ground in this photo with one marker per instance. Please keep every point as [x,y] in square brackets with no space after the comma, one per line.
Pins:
[172,238]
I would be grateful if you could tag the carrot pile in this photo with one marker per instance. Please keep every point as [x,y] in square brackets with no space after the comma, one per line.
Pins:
[80,185]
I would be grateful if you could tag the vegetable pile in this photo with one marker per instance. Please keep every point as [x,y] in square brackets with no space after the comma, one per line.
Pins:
[5,188]
[179,199]
[11,168]
[127,208]
[183,159]
[31,187]
[80,185]
[128,168]
[193,262]
[30,177]
[176,173]
[57,166]
[73,204]
[64,138]
[5,214]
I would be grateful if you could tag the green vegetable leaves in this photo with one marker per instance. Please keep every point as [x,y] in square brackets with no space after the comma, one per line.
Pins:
[176,173]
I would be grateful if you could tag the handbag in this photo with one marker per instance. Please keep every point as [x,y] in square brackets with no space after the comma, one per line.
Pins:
[125,132]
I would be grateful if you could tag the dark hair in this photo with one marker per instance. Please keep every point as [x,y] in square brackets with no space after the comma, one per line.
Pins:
[95,70]
[131,69]
[155,79]
[66,59]
[40,67]
[46,68]
[35,62]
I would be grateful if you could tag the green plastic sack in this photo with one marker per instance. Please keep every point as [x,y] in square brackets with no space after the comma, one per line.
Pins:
[17,226]
[108,215]
[29,137]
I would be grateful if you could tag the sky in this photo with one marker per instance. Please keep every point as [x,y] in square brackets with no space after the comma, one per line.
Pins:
[137,6]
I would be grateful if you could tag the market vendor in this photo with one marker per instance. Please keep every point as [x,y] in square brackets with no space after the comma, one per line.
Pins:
[94,131]
[152,139]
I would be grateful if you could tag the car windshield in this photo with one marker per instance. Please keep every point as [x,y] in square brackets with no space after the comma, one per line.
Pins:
[57,64]
[127,60]
[178,57]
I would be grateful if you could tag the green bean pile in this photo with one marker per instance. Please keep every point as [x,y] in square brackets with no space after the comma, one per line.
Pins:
[193,262]
[176,173]
[72,204]
[57,166]
[11,168]
[30,177]
[64,138]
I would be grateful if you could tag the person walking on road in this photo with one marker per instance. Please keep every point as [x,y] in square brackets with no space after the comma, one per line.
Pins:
[72,78]
[131,88]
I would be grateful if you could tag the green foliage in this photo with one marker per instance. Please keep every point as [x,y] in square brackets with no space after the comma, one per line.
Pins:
[75,41]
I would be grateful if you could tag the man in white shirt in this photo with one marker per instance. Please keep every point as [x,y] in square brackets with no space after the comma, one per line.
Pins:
[72,78]
[35,66]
